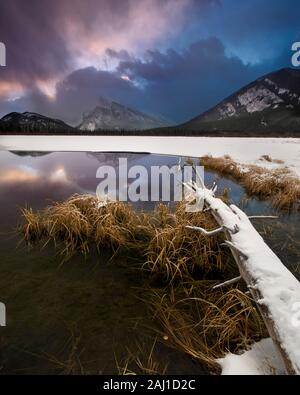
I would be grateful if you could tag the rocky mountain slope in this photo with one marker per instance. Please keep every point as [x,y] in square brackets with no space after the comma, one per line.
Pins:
[109,115]
[271,103]
[31,122]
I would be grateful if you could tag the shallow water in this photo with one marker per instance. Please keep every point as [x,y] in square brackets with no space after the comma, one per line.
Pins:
[82,316]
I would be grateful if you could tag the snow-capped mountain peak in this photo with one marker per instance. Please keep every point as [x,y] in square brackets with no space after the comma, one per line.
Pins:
[109,115]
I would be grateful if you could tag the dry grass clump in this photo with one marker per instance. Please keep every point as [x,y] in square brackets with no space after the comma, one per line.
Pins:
[176,251]
[278,185]
[113,225]
[206,324]
[61,223]
[33,228]
[225,166]
[80,221]
[161,240]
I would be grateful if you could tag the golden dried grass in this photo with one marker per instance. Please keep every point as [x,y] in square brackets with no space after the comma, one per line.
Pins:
[278,185]
[161,238]
[176,252]
[206,324]
[78,222]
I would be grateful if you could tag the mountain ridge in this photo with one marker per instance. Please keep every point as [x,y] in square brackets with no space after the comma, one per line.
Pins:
[32,122]
[110,115]
[270,105]
[270,102]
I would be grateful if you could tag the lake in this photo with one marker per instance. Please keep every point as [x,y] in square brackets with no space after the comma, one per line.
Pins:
[82,316]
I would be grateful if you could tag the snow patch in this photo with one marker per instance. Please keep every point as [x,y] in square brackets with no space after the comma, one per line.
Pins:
[258,99]
[260,359]
[244,150]
[227,110]
[283,91]
[268,81]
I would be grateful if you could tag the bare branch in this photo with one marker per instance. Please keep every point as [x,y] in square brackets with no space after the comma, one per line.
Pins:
[206,232]
[227,283]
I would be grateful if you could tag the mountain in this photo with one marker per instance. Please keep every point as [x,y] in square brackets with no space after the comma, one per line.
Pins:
[109,115]
[271,103]
[31,122]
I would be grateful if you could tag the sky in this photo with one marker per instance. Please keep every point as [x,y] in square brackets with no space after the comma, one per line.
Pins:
[173,59]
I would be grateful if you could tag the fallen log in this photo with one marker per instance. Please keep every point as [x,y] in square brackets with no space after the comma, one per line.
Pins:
[273,287]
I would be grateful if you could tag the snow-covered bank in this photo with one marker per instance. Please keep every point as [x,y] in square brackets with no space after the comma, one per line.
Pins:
[243,150]
[261,359]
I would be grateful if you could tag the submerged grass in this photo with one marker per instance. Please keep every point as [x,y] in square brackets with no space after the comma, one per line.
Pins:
[202,323]
[278,185]
[143,360]
[206,324]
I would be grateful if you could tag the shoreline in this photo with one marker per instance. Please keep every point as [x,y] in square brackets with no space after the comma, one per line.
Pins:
[247,150]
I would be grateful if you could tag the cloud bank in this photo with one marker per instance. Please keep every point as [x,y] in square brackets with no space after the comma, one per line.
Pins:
[172,58]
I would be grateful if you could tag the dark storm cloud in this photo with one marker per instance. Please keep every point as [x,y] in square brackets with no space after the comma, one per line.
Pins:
[119,55]
[174,85]
[78,93]
[57,40]
[33,39]
[44,38]
[38,34]
[182,85]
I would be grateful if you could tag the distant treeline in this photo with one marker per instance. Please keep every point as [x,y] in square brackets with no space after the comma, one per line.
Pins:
[163,132]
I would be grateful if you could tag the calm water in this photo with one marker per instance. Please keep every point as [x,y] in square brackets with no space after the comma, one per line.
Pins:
[82,316]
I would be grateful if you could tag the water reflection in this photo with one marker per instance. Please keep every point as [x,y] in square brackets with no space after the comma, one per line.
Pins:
[35,179]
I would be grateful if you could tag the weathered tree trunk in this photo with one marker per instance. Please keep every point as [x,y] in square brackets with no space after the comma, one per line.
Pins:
[274,289]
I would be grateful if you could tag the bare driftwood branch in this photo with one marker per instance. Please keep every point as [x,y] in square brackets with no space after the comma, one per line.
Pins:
[227,283]
[206,232]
